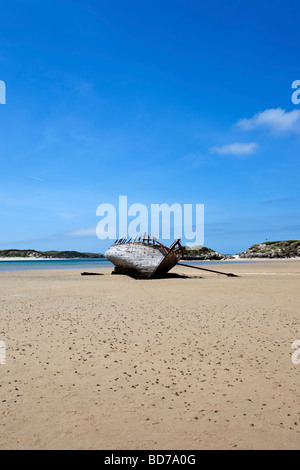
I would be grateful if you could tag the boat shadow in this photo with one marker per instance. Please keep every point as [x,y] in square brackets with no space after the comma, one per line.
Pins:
[91,274]
[176,276]
[164,276]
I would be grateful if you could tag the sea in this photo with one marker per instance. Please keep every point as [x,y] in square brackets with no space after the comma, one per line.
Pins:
[92,263]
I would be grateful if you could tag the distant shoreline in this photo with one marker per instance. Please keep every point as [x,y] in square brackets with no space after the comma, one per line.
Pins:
[232,260]
[286,249]
[47,259]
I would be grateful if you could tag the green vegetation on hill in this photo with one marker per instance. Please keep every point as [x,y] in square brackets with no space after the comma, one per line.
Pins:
[70,254]
[46,254]
[201,253]
[277,249]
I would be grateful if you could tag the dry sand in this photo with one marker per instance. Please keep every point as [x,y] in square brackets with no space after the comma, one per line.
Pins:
[108,362]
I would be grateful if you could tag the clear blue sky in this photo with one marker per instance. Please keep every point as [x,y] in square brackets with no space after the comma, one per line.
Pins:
[161,100]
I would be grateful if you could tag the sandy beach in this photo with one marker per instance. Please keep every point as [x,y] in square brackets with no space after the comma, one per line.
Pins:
[193,361]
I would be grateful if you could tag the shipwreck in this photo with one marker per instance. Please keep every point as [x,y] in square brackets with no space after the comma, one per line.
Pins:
[144,257]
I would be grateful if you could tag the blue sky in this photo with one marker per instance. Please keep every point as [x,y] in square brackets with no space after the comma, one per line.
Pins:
[169,101]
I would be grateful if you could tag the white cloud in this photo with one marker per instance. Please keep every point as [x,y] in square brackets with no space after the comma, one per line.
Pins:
[237,149]
[274,120]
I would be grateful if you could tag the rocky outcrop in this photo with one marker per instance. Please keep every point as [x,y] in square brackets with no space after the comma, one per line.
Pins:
[278,249]
[203,253]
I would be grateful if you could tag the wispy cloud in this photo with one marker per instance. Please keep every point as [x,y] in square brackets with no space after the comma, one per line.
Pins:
[36,178]
[237,149]
[196,159]
[66,215]
[92,232]
[82,232]
[277,121]
[279,200]
[84,86]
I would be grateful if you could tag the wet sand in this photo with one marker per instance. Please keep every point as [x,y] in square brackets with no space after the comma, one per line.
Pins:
[109,362]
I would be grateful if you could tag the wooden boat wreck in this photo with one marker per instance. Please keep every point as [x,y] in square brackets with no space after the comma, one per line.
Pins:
[145,257]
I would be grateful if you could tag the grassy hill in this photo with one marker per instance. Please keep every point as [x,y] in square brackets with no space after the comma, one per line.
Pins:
[202,253]
[277,249]
[46,254]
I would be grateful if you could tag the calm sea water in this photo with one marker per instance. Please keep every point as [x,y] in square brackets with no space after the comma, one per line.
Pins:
[93,263]
[80,264]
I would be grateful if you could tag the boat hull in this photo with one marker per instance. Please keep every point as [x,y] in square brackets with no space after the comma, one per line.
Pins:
[142,260]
